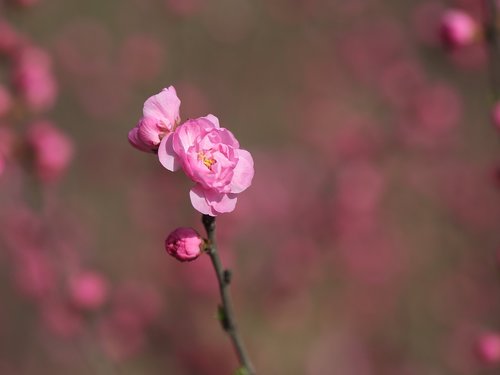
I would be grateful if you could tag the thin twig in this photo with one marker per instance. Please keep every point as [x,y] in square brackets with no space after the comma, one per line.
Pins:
[226,314]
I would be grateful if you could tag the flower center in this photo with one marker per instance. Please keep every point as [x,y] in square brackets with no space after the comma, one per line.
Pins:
[208,161]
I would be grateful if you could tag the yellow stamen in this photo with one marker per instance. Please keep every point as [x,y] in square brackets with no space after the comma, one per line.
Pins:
[207,161]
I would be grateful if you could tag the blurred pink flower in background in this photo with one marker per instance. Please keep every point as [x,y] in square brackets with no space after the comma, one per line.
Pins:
[495,115]
[5,101]
[488,348]
[26,3]
[52,150]
[10,39]
[458,28]
[88,290]
[61,320]
[34,79]
[34,274]
[123,329]
[6,146]
[370,231]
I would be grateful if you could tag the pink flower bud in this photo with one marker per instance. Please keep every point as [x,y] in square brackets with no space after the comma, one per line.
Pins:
[88,290]
[458,28]
[488,347]
[146,136]
[184,244]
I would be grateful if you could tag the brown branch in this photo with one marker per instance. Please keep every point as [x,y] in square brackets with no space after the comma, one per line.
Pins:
[226,313]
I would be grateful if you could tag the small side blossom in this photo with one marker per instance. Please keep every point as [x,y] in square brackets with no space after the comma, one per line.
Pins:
[210,156]
[458,28]
[184,244]
[160,117]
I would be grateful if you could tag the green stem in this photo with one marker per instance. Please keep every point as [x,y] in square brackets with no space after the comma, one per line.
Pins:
[226,312]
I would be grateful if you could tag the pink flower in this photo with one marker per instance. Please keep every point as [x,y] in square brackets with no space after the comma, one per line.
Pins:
[52,150]
[211,157]
[495,115]
[6,146]
[160,117]
[34,79]
[184,244]
[488,347]
[60,319]
[5,101]
[458,28]
[88,290]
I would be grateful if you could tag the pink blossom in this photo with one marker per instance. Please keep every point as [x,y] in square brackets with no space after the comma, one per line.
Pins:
[61,320]
[34,274]
[34,79]
[5,101]
[458,28]
[495,115]
[53,150]
[6,146]
[122,334]
[26,3]
[88,290]
[9,38]
[160,117]
[211,157]
[184,244]
[488,347]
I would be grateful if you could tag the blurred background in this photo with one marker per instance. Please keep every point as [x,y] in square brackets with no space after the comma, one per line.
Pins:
[368,243]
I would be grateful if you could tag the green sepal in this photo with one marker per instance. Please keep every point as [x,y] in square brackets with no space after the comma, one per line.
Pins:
[242,371]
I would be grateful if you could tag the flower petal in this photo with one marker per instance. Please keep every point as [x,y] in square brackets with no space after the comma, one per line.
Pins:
[214,120]
[243,172]
[210,202]
[164,107]
[220,202]
[197,195]
[134,140]
[166,154]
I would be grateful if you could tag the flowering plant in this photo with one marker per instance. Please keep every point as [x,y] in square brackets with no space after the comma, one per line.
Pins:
[212,158]
[207,153]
